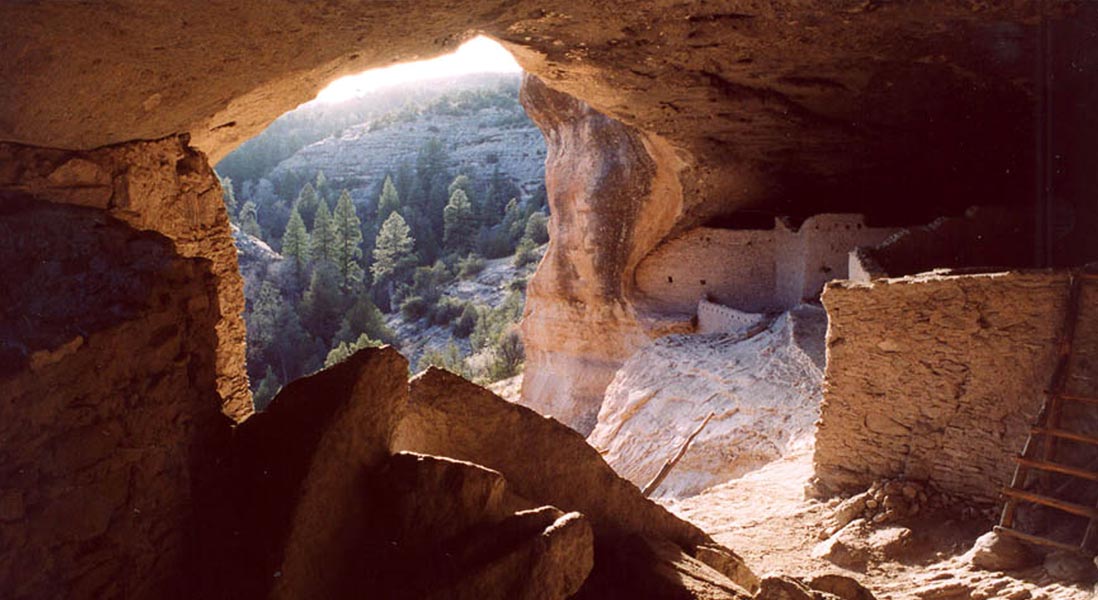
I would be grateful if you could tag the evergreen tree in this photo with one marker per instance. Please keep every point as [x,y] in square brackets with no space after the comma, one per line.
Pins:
[343,350]
[307,203]
[228,195]
[364,318]
[392,252]
[322,188]
[322,241]
[262,328]
[266,391]
[389,201]
[513,223]
[459,223]
[405,182]
[348,242]
[295,242]
[463,183]
[322,305]
[249,222]
[537,228]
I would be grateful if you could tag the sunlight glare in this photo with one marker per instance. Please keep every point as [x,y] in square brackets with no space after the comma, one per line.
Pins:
[478,55]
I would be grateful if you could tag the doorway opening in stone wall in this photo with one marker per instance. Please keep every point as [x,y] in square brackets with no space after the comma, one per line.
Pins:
[404,205]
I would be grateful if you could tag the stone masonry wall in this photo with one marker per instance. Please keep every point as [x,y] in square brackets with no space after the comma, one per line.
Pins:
[753,270]
[714,318]
[935,377]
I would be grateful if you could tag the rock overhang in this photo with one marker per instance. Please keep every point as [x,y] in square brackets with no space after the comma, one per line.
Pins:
[770,101]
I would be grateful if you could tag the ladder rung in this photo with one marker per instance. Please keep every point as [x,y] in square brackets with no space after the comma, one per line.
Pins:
[1075,398]
[1066,435]
[1036,539]
[1068,507]
[1056,468]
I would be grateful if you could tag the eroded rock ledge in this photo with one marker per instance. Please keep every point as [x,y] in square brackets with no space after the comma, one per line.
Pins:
[163,186]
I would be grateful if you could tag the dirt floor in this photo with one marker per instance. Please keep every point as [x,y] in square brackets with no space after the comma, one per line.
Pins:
[766,518]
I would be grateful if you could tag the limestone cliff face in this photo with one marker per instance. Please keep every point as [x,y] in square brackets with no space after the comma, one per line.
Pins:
[613,194]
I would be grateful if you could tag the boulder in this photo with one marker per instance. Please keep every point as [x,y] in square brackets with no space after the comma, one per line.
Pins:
[547,463]
[997,552]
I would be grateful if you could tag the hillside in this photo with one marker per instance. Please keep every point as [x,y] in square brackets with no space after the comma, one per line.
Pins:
[413,220]
[480,136]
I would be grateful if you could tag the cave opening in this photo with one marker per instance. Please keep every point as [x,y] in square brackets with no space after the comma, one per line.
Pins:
[931,352]
[404,205]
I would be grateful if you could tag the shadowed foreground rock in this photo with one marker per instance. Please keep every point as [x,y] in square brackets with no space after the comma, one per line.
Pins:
[322,501]
[636,540]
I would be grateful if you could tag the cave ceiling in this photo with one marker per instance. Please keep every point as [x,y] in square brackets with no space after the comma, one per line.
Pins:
[817,104]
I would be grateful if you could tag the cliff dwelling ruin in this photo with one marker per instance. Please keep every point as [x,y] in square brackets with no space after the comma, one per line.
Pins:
[816,318]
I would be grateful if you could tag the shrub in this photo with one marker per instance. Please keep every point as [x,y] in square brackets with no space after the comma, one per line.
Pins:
[537,228]
[525,253]
[508,355]
[494,242]
[450,359]
[343,349]
[470,266]
[414,308]
[466,322]
[445,311]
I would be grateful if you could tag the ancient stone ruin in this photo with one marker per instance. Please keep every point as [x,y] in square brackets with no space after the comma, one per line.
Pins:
[710,167]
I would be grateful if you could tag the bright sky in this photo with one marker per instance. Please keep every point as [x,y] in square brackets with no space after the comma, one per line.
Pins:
[478,55]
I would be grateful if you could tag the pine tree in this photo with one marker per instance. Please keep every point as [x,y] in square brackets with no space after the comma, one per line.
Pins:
[295,242]
[266,390]
[322,189]
[228,195]
[307,202]
[322,306]
[323,236]
[348,242]
[249,222]
[459,223]
[393,250]
[463,183]
[389,201]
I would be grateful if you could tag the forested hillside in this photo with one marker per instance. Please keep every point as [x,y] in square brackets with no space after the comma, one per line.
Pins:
[356,222]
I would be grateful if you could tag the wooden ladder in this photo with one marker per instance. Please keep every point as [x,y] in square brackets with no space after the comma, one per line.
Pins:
[1041,457]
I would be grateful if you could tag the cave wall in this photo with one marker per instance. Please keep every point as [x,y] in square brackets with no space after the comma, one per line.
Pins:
[163,186]
[613,194]
[109,403]
[937,377]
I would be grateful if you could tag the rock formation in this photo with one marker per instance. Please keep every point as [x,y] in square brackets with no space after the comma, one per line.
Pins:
[610,183]
[163,186]
[763,389]
[688,112]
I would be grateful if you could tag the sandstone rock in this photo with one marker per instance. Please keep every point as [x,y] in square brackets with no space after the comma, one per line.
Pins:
[303,501]
[764,392]
[1070,567]
[995,552]
[889,542]
[783,588]
[452,529]
[449,416]
[643,567]
[842,587]
[162,186]
[847,547]
[580,323]
[111,422]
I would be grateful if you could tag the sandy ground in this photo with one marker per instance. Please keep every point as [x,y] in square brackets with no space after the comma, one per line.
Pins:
[765,517]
